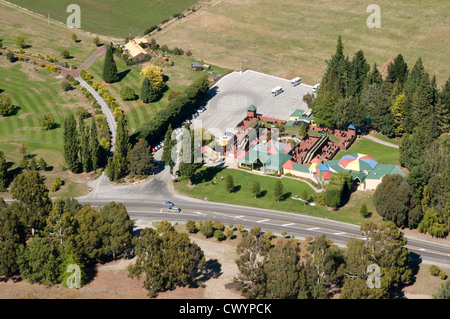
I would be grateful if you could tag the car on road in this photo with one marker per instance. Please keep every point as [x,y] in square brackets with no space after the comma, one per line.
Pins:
[174,209]
[167,203]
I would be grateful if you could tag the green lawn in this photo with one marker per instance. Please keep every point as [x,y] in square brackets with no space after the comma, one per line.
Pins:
[242,194]
[111,17]
[179,76]
[35,91]
[42,38]
[381,153]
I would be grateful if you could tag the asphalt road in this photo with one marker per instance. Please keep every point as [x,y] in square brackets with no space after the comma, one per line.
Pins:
[144,204]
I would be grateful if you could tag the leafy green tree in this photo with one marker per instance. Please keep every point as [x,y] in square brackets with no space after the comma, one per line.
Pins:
[3,172]
[168,146]
[65,54]
[443,291]
[96,41]
[229,183]
[433,224]
[283,271]
[278,190]
[30,191]
[166,258]
[97,156]
[147,93]
[69,257]
[141,158]
[20,42]
[85,150]
[87,239]
[115,229]
[12,238]
[48,122]
[74,37]
[252,255]
[256,189]
[71,144]
[191,227]
[302,130]
[392,199]
[364,211]
[385,247]
[38,262]
[61,225]
[6,107]
[110,74]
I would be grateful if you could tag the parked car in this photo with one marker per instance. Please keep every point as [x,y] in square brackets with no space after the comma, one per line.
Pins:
[174,209]
[167,203]
[315,88]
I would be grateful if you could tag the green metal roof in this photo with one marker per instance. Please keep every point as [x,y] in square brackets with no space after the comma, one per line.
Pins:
[384,169]
[297,113]
[251,108]
[300,167]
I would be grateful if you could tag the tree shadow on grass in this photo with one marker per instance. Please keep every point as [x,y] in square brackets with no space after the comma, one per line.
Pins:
[123,74]
[236,189]
[262,194]
[206,175]
[286,196]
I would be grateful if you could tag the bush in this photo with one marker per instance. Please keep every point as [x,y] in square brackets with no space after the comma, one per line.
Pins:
[190,227]
[218,234]
[6,106]
[434,270]
[364,211]
[48,122]
[207,229]
[442,275]
[218,225]
[127,94]
[56,185]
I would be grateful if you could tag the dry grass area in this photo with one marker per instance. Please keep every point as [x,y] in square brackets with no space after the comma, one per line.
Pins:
[289,38]
[426,284]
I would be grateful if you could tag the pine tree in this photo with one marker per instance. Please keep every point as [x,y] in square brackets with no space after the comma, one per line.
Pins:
[3,171]
[110,74]
[122,148]
[85,151]
[167,150]
[71,144]
[398,111]
[95,146]
[147,93]
[141,158]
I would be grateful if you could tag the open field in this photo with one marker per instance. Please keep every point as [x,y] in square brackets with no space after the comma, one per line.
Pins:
[381,153]
[35,91]
[294,38]
[42,38]
[111,17]
[179,76]
[242,195]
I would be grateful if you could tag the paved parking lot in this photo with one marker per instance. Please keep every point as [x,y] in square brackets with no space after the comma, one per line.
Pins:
[234,93]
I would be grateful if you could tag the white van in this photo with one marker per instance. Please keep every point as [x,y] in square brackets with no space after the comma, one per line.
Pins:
[315,88]
[277,90]
[296,81]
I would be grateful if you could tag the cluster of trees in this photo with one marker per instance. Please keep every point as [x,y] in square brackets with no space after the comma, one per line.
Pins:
[337,192]
[422,200]
[165,259]
[39,239]
[175,112]
[82,149]
[287,270]
[137,160]
[352,92]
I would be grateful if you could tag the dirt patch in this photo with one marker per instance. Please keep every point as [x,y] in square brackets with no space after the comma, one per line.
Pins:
[425,284]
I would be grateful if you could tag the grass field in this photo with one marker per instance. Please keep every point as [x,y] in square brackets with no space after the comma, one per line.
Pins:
[36,92]
[294,38]
[179,76]
[42,38]
[381,153]
[113,18]
[242,195]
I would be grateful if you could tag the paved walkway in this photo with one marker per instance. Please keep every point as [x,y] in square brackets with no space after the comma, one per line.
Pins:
[105,109]
[377,140]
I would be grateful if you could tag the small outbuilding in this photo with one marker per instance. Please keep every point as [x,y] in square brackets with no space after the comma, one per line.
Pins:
[196,66]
